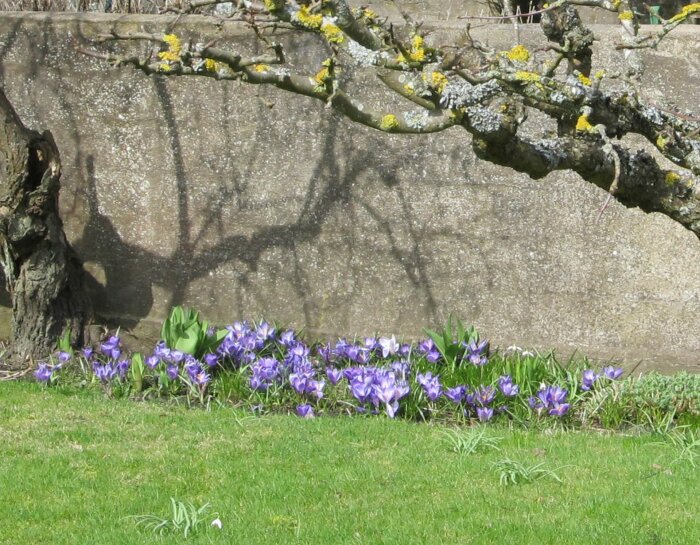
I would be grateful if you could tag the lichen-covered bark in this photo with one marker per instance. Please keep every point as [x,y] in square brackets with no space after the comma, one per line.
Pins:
[43,275]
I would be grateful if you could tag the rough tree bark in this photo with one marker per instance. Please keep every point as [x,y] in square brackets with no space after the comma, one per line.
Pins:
[43,275]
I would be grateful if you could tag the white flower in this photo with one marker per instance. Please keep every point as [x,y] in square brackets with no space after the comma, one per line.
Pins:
[217,523]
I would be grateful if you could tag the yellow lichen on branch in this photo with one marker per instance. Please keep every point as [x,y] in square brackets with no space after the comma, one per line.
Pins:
[626,16]
[332,33]
[672,177]
[322,76]
[417,52]
[686,12]
[307,19]
[273,5]
[518,53]
[583,125]
[174,49]
[389,122]
[438,81]
[530,77]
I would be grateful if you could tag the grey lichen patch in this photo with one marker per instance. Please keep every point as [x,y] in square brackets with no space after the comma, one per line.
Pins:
[462,94]
[550,150]
[483,121]
[416,119]
[576,88]
[558,98]
[652,115]
[364,56]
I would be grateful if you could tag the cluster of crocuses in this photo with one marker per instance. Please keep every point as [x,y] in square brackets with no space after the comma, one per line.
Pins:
[45,372]
[171,361]
[551,400]
[363,352]
[375,388]
[590,377]
[376,372]
[480,401]
[107,362]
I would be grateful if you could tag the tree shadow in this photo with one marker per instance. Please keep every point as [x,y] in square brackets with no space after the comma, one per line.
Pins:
[130,271]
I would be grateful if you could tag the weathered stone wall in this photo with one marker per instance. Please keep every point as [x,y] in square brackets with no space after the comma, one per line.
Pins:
[248,202]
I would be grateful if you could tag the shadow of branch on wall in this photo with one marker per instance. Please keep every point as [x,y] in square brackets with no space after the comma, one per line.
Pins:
[131,271]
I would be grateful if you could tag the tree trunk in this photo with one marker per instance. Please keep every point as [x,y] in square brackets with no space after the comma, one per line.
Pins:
[44,277]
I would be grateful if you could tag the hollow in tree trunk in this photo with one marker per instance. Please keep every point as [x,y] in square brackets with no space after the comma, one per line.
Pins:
[43,274]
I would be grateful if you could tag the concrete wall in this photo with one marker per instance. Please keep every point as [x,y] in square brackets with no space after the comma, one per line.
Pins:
[247,201]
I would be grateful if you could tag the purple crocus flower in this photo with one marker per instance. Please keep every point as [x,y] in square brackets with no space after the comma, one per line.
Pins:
[298,353]
[238,329]
[456,394]
[363,356]
[559,410]
[476,353]
[385,389]
[288,338]
[172,371]
[267,369]
[402,389]
[334,375]
[484,413]
[508,389]
[175,356]
[430,384]
[424,378]
[613,373]
[211,360]
[87,352]
[404,350]
[483,395]
[257,383]
[122,368]
[265,331]
[589,377]
[197,374]
[299,382]
[392,408]
[105,372]
[389,346]
[552,395]
[152,361]
[401,369]
[351,373]
[325,352]
[315,388]
[340,347]
[426,346]
[371,343]
[433,356]
[305,411]
[111,347]
[64,357]
[361,388]
[161,351]
[351,352]
[43,372]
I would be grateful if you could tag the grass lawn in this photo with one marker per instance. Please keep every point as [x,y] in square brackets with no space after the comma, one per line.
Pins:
[74,467]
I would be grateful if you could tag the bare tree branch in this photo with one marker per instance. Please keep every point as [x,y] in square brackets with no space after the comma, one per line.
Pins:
[488,93]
